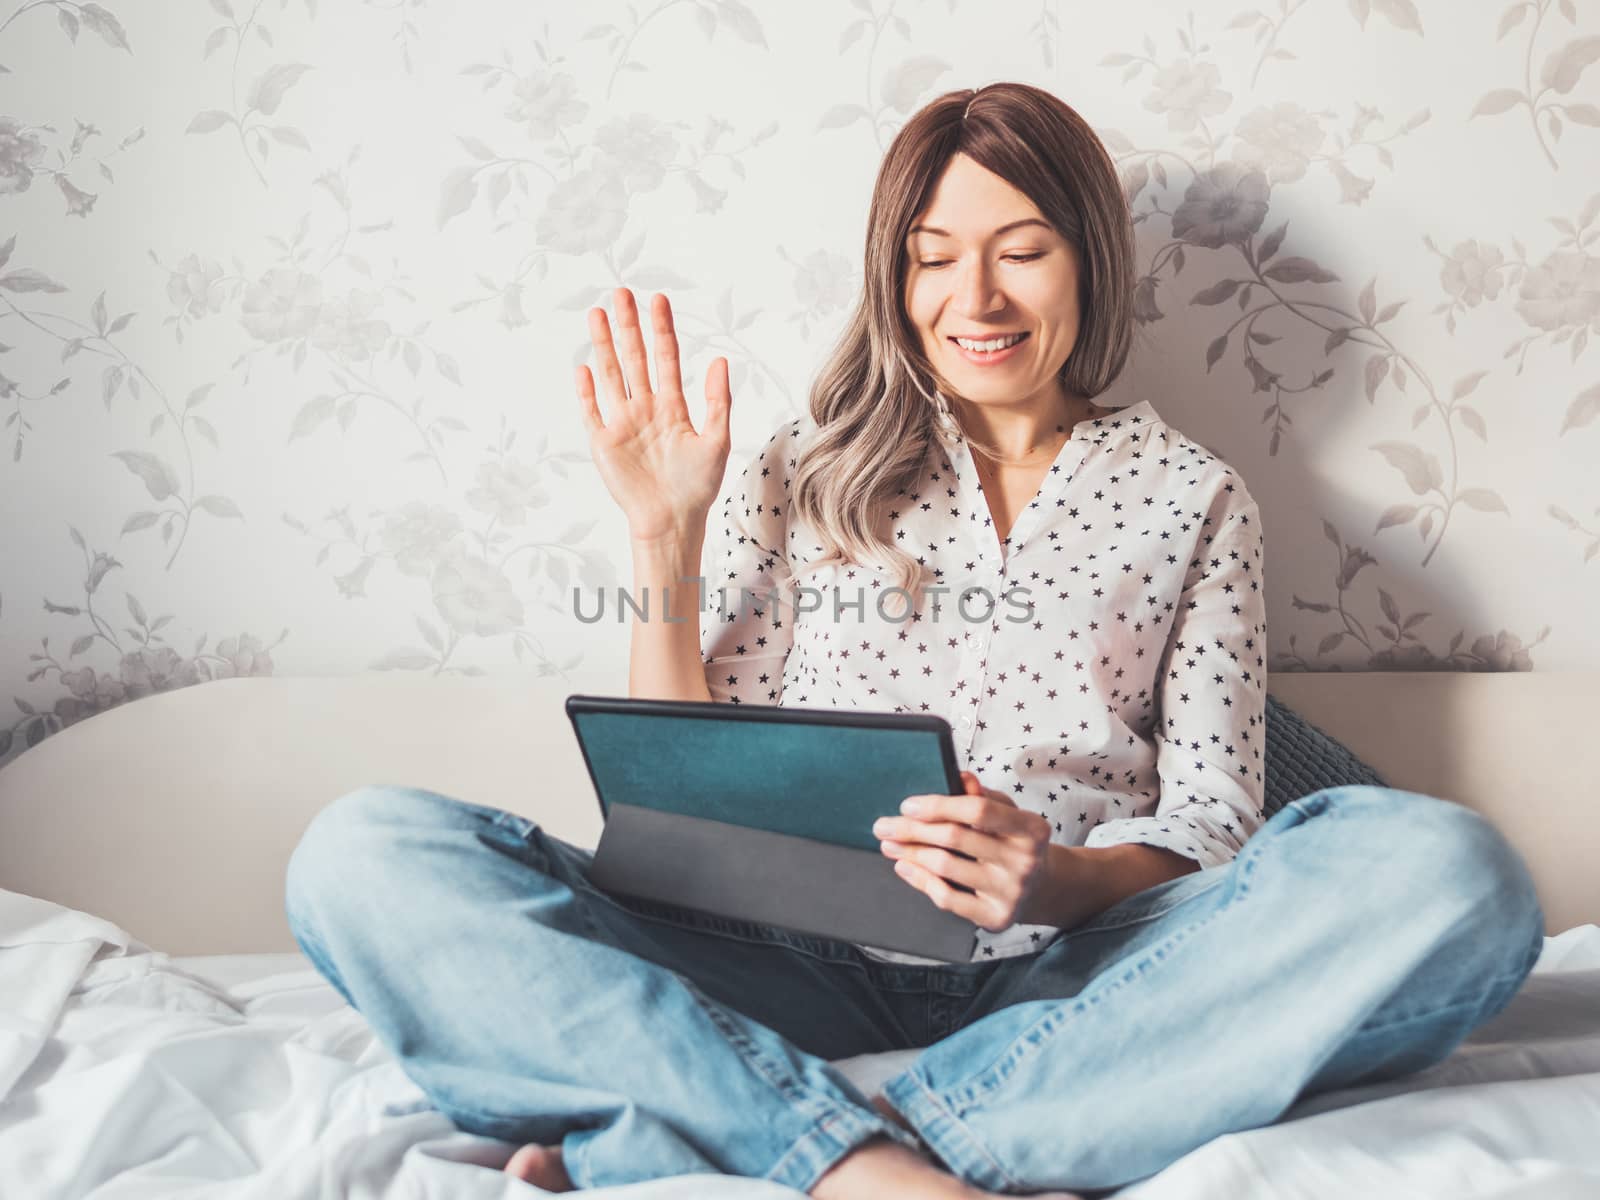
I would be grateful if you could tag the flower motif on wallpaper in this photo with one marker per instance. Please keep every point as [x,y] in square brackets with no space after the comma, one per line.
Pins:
[349,328]
[263,99]
[1471,274]
[1558,297]
[733,14]
[585,210]
[23,157]
[474,596]
[585,213]
[266,93]
[95,338]
[405,34]
[899,86]
[640,149]
[145,664]
[824,283]
[1561,295]
[1279,141]
[20,152]
[1559,71]
[1421,469]
[23,152]
[508,489]
[546,101]
[1402,14]
[721,334]
[74,17]
[1396,646]
[1224,208]
[1271,295]
[284,304]
[575,206]
[193,287]
[1186,91]
[468,571]
[415,535]
[22,280]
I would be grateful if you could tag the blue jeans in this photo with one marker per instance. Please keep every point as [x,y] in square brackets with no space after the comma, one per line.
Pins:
[1361,934]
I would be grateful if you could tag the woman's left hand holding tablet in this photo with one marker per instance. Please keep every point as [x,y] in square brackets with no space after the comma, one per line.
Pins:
[976,854]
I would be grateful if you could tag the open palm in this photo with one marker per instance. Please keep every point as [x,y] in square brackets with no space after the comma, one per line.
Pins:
[661,471]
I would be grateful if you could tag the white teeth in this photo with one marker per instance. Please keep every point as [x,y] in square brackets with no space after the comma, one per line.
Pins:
[996,344]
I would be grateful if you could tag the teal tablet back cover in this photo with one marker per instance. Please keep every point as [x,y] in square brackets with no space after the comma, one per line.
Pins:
[825,782]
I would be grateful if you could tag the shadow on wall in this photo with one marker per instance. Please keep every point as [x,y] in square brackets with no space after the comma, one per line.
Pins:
[1233,273]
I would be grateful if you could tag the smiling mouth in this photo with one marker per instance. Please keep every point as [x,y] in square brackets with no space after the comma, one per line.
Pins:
[984,358]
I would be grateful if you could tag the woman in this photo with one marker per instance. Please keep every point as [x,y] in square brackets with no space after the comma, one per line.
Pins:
[1154,967]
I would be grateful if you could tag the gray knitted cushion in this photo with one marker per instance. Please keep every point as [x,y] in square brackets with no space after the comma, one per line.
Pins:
[1301,759]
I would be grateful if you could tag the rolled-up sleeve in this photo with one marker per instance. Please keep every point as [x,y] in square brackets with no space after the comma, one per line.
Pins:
[1212,695]
[746,627]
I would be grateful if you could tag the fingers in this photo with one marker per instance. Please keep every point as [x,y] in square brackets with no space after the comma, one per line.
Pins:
[606,359]
[972,787]
[635,364]
[719,400]
[990,813]
[954,867]
[627,378]
[989,816]
[668,378]
[586,402]
[980,908]
[963,839]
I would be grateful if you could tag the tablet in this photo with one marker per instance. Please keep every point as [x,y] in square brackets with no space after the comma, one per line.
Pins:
[764,813]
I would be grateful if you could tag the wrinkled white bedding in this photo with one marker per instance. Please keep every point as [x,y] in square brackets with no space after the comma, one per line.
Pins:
[126,1074]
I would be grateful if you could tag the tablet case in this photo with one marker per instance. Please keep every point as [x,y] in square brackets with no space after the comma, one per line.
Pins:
[764,813]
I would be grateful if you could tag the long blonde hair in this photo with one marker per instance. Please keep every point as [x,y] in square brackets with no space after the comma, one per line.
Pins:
[878,403]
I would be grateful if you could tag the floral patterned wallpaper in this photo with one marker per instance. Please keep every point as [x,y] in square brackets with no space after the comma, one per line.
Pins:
[291,292]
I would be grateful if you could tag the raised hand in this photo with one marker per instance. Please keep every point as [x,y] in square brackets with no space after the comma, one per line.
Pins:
[661,471]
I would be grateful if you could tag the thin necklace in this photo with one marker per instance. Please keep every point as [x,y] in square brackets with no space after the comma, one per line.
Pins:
[983,458]
[1023,462]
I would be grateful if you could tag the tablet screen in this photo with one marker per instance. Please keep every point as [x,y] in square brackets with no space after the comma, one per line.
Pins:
[813,773]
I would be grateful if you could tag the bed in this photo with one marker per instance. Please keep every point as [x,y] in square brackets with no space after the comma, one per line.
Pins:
[161,1036]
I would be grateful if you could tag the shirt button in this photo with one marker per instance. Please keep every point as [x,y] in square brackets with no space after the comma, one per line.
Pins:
[965,722]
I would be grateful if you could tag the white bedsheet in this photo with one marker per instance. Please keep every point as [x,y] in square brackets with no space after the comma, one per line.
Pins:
[126,1074]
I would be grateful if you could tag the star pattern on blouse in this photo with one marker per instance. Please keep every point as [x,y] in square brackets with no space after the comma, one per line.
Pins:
[1120,690]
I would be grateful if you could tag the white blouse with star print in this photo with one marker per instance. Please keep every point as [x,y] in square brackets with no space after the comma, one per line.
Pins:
[1103,664]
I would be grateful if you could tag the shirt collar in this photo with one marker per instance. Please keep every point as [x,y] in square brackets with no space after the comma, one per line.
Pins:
[1100,429]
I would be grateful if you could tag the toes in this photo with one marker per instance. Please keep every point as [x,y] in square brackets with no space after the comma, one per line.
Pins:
[524,1161]
[540,1166]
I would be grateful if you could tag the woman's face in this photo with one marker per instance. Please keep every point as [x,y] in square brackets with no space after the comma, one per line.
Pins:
[981,279]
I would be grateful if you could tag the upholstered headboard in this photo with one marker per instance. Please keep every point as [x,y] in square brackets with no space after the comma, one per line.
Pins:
[174,815]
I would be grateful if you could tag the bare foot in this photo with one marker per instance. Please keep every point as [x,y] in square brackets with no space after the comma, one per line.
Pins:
[881,1167]
[540,1166]
[876,1168]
